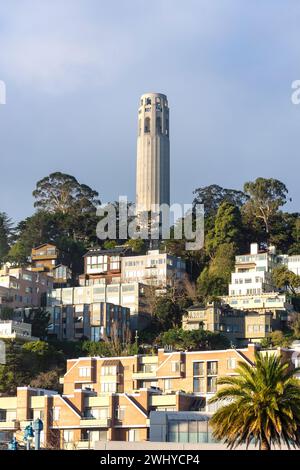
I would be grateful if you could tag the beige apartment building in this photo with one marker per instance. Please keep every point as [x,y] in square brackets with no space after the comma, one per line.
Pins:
[108,399]
[21,287]
[239,326]
[154,268]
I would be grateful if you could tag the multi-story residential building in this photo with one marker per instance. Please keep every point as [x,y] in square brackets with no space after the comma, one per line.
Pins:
[20,331]
[131,295]
[46,258]
[274,302]
[120,265]
[252,273]
[111,399]
[154,268]
[103,266]
[95,321]
[23,287]
[239,326]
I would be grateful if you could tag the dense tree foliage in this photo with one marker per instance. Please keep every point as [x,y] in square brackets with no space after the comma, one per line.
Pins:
[182,340]
[266,196]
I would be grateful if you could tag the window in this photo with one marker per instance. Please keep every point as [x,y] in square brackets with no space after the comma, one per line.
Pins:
[199,385]
[68,436]
[148,101]
[56,413]
[108,370]
[133,435]
[198,368]
[231,363]
[96,413]
[115,262]
[158,125]
[211,384]
[120,413]
[212,368]
[167,384]
[175,366]
[147,125]
[109,387]
[84,371]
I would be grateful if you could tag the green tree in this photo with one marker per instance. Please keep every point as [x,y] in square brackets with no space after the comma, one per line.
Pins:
[6,313]
[227,228]
[193,340]
[266,196]
[285,279]
[5,235]
[167,312]
[213,280]
[48,380]
[138,245]
[278,338]
[39,320]
[261,404]
[213,196]
[18,255]
[62,193]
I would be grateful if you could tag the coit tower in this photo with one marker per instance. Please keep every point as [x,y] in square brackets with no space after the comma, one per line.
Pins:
[153,152]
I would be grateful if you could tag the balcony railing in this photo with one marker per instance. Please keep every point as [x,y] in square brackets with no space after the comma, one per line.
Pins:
[91,422]
[9,425]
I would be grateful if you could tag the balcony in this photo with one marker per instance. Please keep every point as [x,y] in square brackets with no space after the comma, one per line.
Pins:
[43,255]
[79,445]
[9,425]
[144,375]
[90,422]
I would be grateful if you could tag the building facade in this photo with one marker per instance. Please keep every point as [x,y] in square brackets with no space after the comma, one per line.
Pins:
[22,287]
[46,258]
[130,295]
[240,326]
[17,331]
[112,399]
[154,268]
[96,321]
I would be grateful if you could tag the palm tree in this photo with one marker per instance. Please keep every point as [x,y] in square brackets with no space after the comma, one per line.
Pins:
[261,404]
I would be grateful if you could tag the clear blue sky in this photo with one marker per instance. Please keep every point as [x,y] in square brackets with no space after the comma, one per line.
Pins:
[75,69]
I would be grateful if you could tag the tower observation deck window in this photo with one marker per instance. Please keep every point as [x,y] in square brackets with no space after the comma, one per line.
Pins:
[147,125]
[158,125]
[148,101]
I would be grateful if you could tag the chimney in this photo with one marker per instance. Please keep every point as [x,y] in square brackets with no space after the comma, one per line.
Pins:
[254,248]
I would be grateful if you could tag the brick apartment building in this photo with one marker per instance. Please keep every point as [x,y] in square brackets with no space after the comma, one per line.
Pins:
[108,399]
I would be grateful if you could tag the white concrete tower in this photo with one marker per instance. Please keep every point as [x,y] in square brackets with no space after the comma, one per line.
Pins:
[153,152]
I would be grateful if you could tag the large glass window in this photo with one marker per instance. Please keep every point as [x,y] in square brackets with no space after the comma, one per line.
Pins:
[198,368]
[198,385]
[212,368]
[188,431]
[211,384]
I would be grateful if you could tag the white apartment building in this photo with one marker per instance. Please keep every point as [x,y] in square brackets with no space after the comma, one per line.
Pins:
[292,262]
[262,303]
[252,273]
[154,268]
[14,330]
